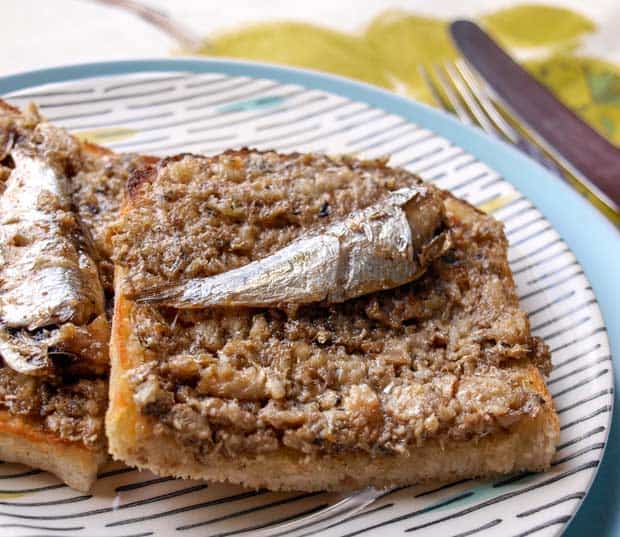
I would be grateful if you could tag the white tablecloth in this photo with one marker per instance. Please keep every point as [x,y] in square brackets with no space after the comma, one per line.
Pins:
[42,33]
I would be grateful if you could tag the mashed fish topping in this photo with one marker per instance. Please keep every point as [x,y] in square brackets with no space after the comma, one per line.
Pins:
[57,196]
[440,358]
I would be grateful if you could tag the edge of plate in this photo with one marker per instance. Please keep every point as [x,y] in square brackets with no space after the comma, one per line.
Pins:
[547,192]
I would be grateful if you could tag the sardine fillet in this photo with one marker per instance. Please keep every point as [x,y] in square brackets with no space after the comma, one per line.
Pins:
[32,431]
[48,276]
[371,250]
[253,397]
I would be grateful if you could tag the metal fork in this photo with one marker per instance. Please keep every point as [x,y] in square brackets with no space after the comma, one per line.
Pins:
[455,88]
[322,519]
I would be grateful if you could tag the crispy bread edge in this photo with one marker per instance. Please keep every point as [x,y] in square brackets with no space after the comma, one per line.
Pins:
[72,462]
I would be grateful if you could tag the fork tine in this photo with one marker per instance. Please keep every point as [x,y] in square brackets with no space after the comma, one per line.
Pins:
[336,512]
[470,100]
[430,84]
[481,94]
[454,101]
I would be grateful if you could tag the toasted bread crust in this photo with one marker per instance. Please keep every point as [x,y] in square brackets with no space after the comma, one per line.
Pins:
[72,462]
[9,108]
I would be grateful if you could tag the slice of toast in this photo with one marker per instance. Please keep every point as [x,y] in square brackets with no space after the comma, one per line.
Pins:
[53,420]
[24,443]
[439,379]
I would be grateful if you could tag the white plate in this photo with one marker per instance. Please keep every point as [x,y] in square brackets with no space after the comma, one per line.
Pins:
[165,113]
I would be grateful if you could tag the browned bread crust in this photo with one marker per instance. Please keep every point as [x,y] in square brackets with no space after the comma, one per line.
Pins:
[23,442]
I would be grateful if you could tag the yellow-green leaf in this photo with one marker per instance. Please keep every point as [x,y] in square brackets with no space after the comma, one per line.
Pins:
[532,25]
[303,45]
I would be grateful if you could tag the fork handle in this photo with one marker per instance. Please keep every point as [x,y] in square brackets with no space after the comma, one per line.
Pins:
[578,143]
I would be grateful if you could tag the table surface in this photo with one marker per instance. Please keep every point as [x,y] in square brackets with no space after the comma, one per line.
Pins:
[43,34]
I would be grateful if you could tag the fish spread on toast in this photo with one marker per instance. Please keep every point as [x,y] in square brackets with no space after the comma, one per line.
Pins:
[57,196]
[327,394]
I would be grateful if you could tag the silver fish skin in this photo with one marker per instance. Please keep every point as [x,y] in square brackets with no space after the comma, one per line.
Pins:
[26,354]
[47,275]
[381,247]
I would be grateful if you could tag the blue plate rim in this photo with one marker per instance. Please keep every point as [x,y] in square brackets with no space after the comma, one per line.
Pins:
[553,200]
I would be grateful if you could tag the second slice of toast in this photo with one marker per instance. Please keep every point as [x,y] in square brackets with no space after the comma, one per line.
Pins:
[53,419]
